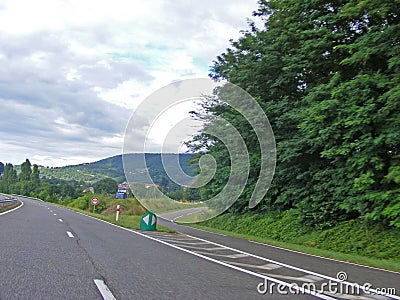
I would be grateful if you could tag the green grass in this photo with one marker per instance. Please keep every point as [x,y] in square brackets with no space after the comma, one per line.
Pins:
[164,205]
[130,210]
[126,221]
[350,241]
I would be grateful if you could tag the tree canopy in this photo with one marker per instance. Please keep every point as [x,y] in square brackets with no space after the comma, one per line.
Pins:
[327,76]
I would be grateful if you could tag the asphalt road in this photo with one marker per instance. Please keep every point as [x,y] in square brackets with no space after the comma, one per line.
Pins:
[48,252]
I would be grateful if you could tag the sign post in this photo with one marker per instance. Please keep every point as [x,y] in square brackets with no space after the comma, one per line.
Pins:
[94,202]
[148,221]
[117,215]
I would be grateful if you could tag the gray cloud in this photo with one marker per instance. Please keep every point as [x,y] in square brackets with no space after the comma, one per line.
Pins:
[51,78]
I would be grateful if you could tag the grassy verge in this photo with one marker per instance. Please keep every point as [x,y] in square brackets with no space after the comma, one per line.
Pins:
[165,205]
[350,241]
[126,221]
[7,206]
[130,210]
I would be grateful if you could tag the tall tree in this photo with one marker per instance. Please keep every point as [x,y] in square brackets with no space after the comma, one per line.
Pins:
[35,176]
[10,174]
[327,76]
[26,171]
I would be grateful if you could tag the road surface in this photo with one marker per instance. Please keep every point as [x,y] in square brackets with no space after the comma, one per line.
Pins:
[49,252]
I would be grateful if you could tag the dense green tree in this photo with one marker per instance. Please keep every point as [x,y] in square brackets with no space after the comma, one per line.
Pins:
[106,185]
[10,174]
[26,171]
[327,76]
[35,176]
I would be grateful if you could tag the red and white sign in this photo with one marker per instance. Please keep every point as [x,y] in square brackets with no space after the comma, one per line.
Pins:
[94,201]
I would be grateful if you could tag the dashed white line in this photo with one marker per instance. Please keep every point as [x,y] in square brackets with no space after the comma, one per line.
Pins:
[54,214]
[103,289]
[61,220]
[239,252]
[70,234]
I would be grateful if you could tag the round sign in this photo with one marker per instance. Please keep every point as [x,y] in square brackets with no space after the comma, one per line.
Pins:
[94,201]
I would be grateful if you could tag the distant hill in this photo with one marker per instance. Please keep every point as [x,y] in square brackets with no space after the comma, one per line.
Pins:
[112,167]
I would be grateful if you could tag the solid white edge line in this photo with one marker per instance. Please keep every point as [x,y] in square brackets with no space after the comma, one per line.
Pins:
[283,283]
[173,221]
[313,293]
[69,233]
[299,252]
[8,211]
[262,258]
[322,257]
[366,290]
[103,289]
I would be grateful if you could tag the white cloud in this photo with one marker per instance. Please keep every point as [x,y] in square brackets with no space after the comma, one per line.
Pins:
[73,71]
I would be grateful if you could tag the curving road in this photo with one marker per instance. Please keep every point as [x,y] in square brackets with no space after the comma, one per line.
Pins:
[48,252]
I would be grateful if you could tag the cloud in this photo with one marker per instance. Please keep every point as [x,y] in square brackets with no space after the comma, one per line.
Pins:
[72,72]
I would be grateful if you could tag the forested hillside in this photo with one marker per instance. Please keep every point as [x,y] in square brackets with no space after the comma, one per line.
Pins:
[327,76]
[66,183]
[112,167]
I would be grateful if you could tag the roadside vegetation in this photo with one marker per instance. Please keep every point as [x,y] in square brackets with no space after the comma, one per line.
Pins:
[327,76]
[365,243]
[130,210]
[7,206]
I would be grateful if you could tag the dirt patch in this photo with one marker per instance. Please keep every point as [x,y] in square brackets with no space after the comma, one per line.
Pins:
[112,210]
[7,206]
[130,210]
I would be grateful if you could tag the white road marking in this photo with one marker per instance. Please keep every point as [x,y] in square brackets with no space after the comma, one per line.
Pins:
[263,267]
[70,234]
[203,248]
[322,257]
[185,243]
[239,255]
[103,289]
[283,283]
[272,279]
[54,214]
[61,220]
[8,211]
[294,278]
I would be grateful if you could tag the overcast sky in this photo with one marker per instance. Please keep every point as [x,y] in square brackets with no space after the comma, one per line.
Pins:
[72,72]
